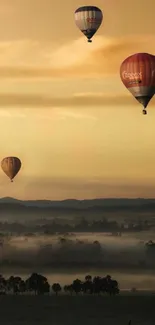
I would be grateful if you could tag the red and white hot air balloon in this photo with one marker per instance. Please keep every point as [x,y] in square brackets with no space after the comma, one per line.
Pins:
[137,73]
[88,19]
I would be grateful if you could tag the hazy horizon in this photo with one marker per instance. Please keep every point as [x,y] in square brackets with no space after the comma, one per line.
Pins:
[82,199]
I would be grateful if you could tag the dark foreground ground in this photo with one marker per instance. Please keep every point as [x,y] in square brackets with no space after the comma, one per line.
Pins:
[83,310]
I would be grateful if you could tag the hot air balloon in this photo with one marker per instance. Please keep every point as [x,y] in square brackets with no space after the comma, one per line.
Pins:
[137,73]
[11,166]
[88,19]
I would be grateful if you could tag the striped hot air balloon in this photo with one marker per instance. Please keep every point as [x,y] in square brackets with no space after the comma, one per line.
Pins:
[11,166]
[138,75]
[88,19]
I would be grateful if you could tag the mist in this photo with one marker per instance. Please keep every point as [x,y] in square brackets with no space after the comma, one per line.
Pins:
[77,252]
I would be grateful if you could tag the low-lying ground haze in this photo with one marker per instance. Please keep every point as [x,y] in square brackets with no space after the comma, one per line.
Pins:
[62,257]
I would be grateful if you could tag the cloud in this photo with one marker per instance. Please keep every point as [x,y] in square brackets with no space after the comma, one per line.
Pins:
[75,53]
[37,101]
[8,114]
[28,59]
[73,114]
[107,59]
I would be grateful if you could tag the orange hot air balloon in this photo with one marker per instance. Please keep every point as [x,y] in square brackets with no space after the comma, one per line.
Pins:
[137,73]
[11,166]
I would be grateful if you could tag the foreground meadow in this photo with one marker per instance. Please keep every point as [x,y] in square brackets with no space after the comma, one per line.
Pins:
[75,310]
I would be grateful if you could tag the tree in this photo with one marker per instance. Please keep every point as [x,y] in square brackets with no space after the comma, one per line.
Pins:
[3,285]
[88,277]
[112,287]
[56,288]
[38,284]
[14,284]
[77,286]
[69,288]
[87,286]
[97,284]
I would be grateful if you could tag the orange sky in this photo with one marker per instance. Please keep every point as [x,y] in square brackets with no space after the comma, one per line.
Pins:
[63,108]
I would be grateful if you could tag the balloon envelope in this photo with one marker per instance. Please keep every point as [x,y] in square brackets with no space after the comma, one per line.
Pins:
[137,73]
[88,19]
[11,166]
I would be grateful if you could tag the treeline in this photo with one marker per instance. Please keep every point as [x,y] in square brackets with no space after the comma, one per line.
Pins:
[103,225]
[47,227]
[39,285]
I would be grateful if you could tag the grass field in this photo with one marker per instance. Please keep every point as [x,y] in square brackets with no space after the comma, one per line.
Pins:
[77,310]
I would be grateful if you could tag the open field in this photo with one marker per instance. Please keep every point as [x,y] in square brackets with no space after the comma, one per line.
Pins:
[77,310]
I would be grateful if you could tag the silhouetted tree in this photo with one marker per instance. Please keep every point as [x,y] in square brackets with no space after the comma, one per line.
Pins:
[38,284]
[69,289]
[87,286]
[77,286]
[3,285]
[112,287]
[14,284]
[56,288]
[88,278]
[97,284]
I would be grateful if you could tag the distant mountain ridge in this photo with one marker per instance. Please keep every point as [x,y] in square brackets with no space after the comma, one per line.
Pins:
[20,210]
[81,204]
